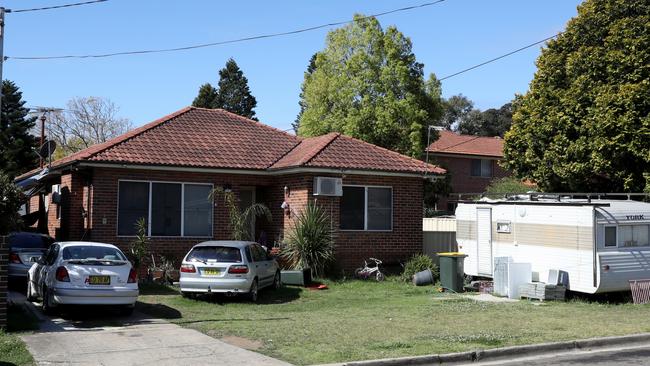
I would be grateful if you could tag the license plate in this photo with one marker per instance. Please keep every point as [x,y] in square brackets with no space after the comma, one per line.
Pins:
[211,272]
[99,280]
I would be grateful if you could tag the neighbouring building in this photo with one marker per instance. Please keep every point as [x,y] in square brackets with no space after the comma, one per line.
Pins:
[164,172]
[472,162]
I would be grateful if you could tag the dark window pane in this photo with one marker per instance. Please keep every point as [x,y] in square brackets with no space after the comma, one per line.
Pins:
[610,236]
[219,254]
[380,210]
[476,168]
[352,208]
[486,168]
[133,205]
[198,210]
[29,240]
[259,254]
[166,209]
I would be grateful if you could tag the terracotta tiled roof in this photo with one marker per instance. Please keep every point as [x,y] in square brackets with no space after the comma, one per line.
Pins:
[453,143]
[215,138]
[344,152]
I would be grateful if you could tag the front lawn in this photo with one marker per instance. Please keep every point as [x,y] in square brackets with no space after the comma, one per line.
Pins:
[358,320]
[12,350]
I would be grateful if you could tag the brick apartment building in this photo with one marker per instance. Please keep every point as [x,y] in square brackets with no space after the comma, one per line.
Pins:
[165,170]
[471,161]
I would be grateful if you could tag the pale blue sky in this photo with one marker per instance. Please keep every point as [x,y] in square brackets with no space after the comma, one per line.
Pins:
[446,37]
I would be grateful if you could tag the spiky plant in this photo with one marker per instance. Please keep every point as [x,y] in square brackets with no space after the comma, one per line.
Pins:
[139,245]
[310,243]
[240,220]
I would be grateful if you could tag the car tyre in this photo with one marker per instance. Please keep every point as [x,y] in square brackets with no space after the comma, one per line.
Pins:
[127,310]
[47,305]
[277,281]
[30,291]
[253,293]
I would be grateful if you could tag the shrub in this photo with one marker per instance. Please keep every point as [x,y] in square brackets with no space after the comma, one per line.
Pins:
[310,243]
[11,198]
[419,263]
[139,244]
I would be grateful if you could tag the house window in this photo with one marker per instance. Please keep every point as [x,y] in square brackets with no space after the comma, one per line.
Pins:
[170,209]
[133,204]
[610,236]
[366,208]
[633,235]
[481,168]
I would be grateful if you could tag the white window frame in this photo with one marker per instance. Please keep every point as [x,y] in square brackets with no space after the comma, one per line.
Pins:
[365,208]
[151,182]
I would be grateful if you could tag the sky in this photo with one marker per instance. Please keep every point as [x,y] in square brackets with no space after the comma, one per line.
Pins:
[447,37]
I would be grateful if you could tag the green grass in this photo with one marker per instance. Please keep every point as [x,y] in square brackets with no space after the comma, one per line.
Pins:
[12,350]
[358,320]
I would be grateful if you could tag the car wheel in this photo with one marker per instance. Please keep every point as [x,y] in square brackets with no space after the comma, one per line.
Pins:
[252,294]
[127,310]
[277,281]
[30,291]
[48,302]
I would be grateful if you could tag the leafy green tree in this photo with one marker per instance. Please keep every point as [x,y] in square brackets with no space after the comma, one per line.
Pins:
[501,186]
[455,109]
[310,70]
[491,122]
[17,145]
[231,94]
[584,124]
[11,199]
[368,84]
[207,96]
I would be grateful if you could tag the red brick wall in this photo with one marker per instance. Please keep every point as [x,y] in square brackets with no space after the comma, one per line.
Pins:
[462,181]
[351,246]
[4,260]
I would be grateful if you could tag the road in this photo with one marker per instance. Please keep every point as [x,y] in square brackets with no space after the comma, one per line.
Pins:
[639,355]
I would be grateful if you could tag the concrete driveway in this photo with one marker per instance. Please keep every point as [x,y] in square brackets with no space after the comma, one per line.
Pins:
[105,338]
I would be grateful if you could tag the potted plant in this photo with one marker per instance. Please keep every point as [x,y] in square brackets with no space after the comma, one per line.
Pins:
[139,245]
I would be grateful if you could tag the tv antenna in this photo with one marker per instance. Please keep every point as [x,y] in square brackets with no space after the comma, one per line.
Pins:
[46,148]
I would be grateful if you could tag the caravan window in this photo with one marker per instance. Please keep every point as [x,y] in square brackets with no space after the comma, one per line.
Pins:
[634,235]
[610,236]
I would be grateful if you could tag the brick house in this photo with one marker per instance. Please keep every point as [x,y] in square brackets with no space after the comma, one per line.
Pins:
[165,170]
[472,162]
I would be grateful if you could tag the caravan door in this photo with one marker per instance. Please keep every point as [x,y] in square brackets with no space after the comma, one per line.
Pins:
[484,241]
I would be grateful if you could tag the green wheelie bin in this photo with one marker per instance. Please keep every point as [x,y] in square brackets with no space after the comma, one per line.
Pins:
[451,270]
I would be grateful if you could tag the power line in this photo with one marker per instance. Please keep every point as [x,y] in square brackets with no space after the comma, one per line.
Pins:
[498,58]
[55,6]
[203,45]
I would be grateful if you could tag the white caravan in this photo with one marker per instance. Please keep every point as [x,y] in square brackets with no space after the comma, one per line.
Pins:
[599,244]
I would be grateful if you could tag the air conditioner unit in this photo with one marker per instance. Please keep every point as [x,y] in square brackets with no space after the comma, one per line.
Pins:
[328,186]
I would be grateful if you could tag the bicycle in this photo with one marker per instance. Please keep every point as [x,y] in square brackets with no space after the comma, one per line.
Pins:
[371,270]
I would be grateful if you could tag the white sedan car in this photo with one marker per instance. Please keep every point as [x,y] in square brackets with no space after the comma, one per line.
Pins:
[83,273]
[228,267]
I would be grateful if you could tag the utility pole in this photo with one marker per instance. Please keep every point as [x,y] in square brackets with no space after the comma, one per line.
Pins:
[42,137]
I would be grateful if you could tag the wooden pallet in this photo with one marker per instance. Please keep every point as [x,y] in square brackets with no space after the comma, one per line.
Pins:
[542,291]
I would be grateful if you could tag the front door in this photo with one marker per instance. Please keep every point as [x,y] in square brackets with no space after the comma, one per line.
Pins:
[246,199]
[484,241]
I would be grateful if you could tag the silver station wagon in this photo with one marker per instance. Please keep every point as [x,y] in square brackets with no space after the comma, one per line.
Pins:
[229,267]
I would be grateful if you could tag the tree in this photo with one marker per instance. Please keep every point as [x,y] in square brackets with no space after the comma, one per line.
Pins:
[454,110]
[584,124]
[207,96]
[501,186]
[85,122]
[17,145]
[491,122]
[11,199]
[368,84]
[232,94]
[310,70]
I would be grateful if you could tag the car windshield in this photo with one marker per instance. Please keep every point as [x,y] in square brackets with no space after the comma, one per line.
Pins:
[29,240]
[81,253]
[216,253]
